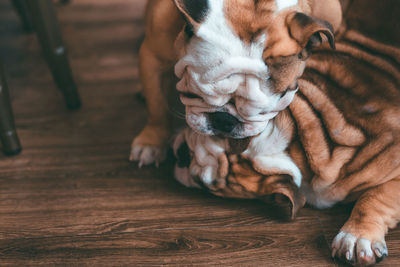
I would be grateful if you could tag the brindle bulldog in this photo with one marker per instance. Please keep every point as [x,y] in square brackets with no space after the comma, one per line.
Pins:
[263,124]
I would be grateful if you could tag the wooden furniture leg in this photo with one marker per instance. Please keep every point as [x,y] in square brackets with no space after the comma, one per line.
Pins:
[21,7]
[45,23]
[8,133]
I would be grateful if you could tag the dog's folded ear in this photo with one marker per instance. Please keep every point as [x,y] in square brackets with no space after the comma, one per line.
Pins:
[285,194]
[194,11]
[308,30]
[244,181]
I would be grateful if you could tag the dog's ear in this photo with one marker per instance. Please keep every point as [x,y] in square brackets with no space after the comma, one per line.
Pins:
[286,195]
[194,11]
[308,30]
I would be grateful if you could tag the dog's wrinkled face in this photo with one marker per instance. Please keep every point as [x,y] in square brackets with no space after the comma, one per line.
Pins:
[239,61]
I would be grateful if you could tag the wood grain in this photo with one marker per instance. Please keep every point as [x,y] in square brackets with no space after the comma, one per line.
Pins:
[73,199]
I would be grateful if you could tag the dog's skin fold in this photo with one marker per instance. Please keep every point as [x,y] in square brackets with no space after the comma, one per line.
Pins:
[338,140]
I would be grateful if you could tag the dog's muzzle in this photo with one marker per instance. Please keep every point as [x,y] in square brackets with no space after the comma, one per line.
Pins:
[231,97]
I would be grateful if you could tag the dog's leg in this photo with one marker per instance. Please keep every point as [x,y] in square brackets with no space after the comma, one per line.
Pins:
[361,241]
[150,145]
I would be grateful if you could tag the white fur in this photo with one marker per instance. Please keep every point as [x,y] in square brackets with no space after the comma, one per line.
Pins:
[270,142]
[281,162]
[267,151]
[204,164]
[217,66]
[282,4]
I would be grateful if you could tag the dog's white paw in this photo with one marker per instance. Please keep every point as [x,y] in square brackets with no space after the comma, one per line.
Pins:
[147,155]
[358,251]
[207,174]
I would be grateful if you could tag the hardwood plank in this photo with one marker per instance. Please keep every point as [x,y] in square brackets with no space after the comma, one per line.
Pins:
[245,246]
[60,197]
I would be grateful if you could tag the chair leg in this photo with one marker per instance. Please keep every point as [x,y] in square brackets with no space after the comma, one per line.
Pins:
[48,31]
[8,133]
[22,10]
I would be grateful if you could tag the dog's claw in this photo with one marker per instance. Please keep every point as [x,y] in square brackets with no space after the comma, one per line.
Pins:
[358,251]
[362,254]
[333,252]
[348,255]
[378,253]
[380,250]
[146,155]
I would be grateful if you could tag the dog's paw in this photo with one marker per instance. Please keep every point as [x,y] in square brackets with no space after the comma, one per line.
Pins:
[358,251]
[147,155]
[150,146]
[207,174]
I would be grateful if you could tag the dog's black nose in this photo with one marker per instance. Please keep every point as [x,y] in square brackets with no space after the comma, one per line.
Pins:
[223,121]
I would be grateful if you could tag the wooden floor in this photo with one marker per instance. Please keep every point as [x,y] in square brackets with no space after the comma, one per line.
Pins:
[72,198]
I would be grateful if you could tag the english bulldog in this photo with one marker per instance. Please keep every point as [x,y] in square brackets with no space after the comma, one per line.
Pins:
[258,129]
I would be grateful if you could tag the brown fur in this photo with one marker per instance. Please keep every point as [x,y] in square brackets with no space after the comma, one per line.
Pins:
[284,72]
[249,19]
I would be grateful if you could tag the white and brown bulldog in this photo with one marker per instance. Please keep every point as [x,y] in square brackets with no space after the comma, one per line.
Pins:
[328,137]
[237,62]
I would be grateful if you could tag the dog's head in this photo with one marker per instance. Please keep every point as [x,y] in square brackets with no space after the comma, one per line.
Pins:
[239,60]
